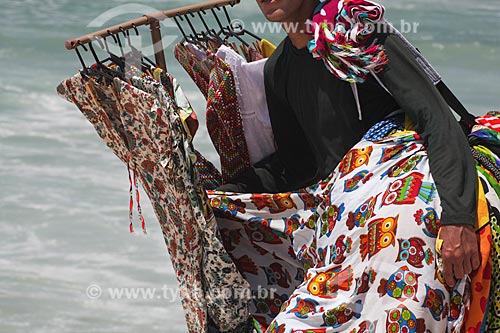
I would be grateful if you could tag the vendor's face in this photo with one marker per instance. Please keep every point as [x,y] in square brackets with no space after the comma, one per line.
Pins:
[280,10]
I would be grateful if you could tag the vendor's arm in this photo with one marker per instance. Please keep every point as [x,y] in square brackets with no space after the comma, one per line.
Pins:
[451,163]
[265,176]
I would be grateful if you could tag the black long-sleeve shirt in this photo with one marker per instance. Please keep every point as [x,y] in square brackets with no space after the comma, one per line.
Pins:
[315,122]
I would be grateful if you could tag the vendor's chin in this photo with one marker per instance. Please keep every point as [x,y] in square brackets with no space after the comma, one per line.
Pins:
[273,10]
[275,15]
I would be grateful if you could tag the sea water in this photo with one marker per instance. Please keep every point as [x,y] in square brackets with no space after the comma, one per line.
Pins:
[64,241]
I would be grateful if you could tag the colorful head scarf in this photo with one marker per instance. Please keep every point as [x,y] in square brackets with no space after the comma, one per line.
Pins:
[341,28]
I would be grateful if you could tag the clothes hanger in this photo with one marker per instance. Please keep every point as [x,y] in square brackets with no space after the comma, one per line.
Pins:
[180,29]
[257,45]
[116,40]
[120,45]
[97,73]
[246,52]
[118,65]
[221,31]
[240,30]
[187,38]
[135,53]
[237,31]
[102,72]
[201,37]
[84,66]
[98,70]
[230,32]
[94,54]
[148,60]
[213,39]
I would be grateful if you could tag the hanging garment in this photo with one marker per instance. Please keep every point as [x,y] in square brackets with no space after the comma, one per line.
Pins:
[74,91]
[156,147]
[223,117]
[366,237]
[210,177]
[217,274]
[249,83]
[224,121]
[196,63]
[255,55]
[487,302]
[485,139]
[493,311]
[97,103]
[481,278]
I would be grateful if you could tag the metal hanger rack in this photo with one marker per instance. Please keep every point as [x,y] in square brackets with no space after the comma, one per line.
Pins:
[153,20]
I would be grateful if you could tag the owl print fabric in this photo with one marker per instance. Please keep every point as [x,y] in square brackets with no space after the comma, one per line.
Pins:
[366,241]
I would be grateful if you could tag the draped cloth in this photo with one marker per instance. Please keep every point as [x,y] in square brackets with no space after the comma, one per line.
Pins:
[254,112]
[215,79]
[144,129]
[485,308]
[341,29]
[366,238]
[224,121]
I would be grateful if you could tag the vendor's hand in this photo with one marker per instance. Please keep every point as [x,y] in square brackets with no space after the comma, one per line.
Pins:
[193,124]
[460,252]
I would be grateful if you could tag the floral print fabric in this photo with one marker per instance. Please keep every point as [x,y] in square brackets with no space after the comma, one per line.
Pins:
[148,135]
[220,275]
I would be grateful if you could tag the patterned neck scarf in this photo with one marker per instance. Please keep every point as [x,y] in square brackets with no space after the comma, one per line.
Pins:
[341,29]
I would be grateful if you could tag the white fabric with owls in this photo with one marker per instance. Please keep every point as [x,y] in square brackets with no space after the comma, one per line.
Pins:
[366,239]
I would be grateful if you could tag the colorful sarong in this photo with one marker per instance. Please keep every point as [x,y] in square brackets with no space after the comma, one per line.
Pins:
[341,29]
[365,237]
[485,309]
[142,124]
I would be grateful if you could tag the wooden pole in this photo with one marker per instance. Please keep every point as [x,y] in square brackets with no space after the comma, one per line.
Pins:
[157,43]
[147,19]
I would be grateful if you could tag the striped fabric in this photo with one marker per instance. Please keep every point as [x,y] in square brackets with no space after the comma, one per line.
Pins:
[489,121]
